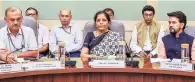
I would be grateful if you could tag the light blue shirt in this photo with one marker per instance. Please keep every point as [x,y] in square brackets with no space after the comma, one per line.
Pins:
[25,37]
[72,36]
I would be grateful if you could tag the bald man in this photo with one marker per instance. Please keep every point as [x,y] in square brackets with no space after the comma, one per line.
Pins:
[15,37]
[67,32]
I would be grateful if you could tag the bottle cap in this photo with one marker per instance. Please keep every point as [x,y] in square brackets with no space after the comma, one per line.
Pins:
[184,45]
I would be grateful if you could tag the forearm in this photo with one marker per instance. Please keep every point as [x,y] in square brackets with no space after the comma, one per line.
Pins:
[44,48]
[3,57]
[28,54]
[85,56]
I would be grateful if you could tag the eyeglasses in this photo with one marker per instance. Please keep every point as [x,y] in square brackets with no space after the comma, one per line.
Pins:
[148,15]
[31,14]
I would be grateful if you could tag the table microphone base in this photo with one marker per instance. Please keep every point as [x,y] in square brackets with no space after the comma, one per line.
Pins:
[70,63]
[133,64]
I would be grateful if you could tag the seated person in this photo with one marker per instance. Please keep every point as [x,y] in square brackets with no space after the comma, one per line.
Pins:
[114,25]
[170,45]
[146,34]
[102,41]
[68,33]
[43,37]
[110,12]
[15,37]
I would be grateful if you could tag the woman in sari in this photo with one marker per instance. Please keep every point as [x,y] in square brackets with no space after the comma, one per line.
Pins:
[102,42]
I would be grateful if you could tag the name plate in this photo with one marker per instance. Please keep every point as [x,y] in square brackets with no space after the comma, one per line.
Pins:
[176,66]
[107,64]
[10,67]
[42,65]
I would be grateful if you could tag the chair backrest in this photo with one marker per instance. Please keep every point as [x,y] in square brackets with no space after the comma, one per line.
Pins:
[190,30]
[27,21]
[32,23]
[2,23]
[114,26]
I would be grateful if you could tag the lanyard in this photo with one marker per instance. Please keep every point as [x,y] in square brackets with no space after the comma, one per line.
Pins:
[67,31]
[10,39]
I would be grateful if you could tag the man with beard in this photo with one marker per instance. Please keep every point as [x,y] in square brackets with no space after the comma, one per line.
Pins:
[146,34]
[170,45]
[16,37]
[67,32]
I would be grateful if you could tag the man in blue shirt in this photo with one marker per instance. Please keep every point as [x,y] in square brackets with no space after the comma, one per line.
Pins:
[68,33]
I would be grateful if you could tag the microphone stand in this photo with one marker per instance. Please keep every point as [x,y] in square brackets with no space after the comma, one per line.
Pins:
[132,63]
[69,63]
[37,36]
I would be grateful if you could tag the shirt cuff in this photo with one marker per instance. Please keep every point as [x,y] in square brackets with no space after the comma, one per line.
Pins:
[153,52]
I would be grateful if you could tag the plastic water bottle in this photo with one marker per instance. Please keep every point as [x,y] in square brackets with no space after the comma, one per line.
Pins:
[185,53]
[122,51]
[62,53]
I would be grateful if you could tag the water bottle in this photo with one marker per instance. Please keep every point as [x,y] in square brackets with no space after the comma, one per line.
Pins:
[122,51]
[62,53]
[185,53]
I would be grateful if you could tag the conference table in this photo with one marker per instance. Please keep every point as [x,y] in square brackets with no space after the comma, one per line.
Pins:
[86,74]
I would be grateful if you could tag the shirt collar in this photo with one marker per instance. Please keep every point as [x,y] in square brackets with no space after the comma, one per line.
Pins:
[181,35]
[69,26]
[9,32]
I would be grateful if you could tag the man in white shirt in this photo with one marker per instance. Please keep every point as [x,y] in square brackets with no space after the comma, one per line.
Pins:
[43,32]
[15,37]
[68,33]
[146,34]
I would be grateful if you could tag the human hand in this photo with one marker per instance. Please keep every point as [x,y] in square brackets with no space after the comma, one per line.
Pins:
[9,57]
[149,55]
[143,54]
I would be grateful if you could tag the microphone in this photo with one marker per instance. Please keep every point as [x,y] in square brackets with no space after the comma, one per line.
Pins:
[69,63]
[132,63]
[37,39]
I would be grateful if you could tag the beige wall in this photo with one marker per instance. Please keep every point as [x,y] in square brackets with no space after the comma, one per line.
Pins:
[1,9]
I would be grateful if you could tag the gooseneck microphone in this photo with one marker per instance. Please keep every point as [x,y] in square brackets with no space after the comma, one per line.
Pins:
[132,63]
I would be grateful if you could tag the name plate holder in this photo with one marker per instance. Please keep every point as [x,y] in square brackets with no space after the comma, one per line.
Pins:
[10,67]
[107,64]
[42,65]
[176,66]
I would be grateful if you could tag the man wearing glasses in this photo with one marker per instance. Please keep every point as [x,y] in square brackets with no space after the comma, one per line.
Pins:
[67,32]
[43,32]
[16,40]
[146,34]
